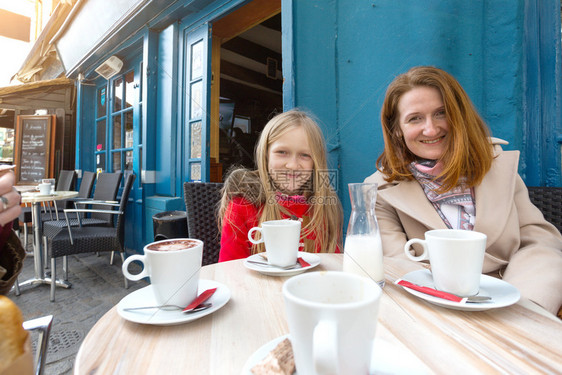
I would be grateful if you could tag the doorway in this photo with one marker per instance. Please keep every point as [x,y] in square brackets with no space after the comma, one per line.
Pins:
[247,83]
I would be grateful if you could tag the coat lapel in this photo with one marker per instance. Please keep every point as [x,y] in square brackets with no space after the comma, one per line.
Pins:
[409,198]
[494,196]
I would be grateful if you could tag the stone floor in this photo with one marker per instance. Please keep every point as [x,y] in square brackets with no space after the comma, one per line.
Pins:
[97,286]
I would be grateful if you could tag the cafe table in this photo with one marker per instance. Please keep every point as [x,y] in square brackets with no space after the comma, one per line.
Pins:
[512,340]
[36,199]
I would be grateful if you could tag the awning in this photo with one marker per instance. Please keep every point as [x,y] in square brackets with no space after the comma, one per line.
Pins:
[54,93]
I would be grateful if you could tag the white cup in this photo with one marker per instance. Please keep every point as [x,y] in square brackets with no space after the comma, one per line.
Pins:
[281,239]
[456,257]
[173,267]
[44,188]
[332,320]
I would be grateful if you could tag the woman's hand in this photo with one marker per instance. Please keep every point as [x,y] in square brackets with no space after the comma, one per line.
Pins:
[10,199]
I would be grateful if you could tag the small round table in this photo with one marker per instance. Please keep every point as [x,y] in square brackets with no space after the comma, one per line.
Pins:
[35,198]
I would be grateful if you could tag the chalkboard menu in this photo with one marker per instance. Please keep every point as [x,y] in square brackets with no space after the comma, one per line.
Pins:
[34,148]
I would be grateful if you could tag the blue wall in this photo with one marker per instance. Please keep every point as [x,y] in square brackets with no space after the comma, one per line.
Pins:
[346,52]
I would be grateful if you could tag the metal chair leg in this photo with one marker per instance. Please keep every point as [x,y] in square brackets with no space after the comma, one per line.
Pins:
[65,267]
[25,236]
[53,278]
[111,258]
[122,260]
[17,287]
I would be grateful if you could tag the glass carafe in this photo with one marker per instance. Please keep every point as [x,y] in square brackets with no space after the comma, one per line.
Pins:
[363,246]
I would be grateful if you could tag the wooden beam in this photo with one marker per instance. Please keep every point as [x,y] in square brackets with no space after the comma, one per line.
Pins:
[252,50]
[250,76]
[245,18]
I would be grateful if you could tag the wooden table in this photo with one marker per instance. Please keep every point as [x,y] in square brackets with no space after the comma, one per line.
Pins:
[513,340]
[36,199]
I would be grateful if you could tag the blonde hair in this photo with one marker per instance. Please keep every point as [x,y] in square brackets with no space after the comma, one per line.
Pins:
[327,214]
[469,153]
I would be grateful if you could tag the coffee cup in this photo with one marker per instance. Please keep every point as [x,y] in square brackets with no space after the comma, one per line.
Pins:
[456,258]
[332,320]
[281,238]
[44,188]
[173,267]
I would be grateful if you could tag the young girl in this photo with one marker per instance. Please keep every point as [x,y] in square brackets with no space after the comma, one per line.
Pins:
[291,180]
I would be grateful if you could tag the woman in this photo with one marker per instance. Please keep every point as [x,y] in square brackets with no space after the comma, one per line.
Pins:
[440,169]
[289,182]
[11,251]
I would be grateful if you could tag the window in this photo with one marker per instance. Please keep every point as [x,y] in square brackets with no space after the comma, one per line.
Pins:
[114,123]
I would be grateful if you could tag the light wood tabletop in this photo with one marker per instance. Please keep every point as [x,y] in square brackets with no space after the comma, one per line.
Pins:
[513,339]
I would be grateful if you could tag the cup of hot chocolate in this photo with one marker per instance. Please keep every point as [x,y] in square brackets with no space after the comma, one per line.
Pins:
[173,268]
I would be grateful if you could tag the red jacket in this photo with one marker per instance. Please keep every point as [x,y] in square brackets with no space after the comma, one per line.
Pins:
[241,216]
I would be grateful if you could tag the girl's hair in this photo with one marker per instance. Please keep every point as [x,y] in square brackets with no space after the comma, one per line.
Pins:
[469,153]
[327,215]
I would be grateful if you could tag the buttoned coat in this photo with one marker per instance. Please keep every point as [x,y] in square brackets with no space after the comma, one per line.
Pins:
[522,247]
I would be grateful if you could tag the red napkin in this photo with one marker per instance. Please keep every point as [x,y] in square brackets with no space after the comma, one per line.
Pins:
[303,262]
[200,299]
[430,291]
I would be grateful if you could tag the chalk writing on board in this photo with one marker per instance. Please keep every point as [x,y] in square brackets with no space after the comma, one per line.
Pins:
[34,147]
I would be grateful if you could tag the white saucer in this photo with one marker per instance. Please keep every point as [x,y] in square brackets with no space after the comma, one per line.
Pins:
[145,297]
[503,294]
[310,258]
[386,359]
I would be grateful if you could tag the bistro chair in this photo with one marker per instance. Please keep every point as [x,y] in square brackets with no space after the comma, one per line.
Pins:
[65,182]
[41,325]
[106,189]
[92,238]
[86,186]
[201,201]
[84,192]
[549,201]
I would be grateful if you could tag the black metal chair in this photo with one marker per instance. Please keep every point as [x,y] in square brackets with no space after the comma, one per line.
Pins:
[92,238]
[42,326]
[65,182]
[84,192]
[106,189]
[201,201]
[549,201]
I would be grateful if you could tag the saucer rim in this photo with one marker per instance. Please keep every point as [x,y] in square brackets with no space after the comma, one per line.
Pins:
[271,344]
[311,258]
[219,299]
[513,293]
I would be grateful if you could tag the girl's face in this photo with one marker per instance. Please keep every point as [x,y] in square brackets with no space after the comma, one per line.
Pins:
[290,162]
[423,122]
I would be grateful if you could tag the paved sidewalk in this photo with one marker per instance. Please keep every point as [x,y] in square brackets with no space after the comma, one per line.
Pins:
[97,286]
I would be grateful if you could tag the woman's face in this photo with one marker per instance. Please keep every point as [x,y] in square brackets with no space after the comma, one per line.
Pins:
[290,161]
[423,122]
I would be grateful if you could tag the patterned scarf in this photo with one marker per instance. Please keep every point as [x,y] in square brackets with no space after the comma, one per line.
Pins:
[456,206]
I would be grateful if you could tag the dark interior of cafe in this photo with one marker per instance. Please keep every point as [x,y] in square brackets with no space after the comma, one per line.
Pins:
[251,82]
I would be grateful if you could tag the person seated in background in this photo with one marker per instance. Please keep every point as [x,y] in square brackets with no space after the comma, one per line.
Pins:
[440,169]
[11,251]
[289,182]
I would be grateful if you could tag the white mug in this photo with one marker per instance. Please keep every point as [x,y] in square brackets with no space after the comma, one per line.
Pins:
[456,258]
[173,267]
[281,239]
[44,188]
[332,320]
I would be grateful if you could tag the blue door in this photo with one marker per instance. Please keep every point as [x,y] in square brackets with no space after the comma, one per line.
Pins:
[195,102]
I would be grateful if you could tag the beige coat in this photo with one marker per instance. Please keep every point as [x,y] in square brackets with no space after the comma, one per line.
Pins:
[521,245]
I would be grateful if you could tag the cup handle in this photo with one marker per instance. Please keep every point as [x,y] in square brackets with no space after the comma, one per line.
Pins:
[423,256]
[251,238]
[325,348]
[138,276]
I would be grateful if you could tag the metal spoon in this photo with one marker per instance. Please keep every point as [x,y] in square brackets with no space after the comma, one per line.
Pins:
[274,266]
[201,307]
